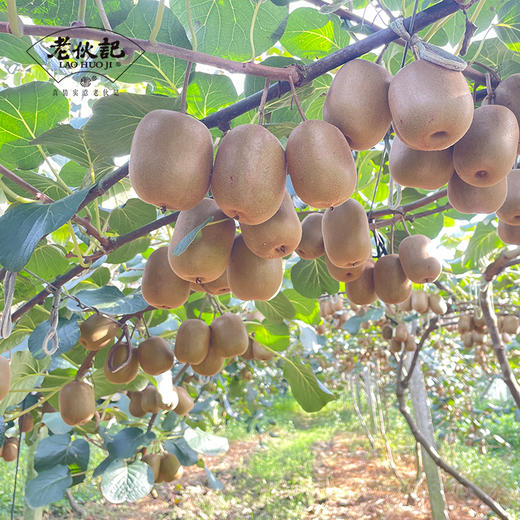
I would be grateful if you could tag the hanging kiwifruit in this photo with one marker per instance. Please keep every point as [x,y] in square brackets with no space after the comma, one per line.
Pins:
[10,449]
[400,332]
[161,287]
[362,291]
[395,346]
[420,302]
[5,377]
[325,306]
[248,179]
[154,461]
[346,234]
[170,468]
[97,331]
[26,422]
[417,259]
[486,154]
[170,159]
[122,353]
[470,199]
[344,274]
[228,335]
[260,353]
[467,339]
[391,283]
[409,344]
[218,286]
[192,341]
[212,364]
[387,331]
[511,324]
[406,306]
[155,355]
[357,103]
[311,243]
[419,169]
[437,304]
[276,237]
[206,258]
[251,277]
[151,400]
[509,212]
[77,403]
[135,407]
[320,163]
[186,402]
[431,106]
[465,323]
[508,234]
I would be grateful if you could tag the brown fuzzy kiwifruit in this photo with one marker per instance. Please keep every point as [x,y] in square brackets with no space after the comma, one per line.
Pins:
[406,306]
[510,324]
[409,344]
[437,304]
[10,449]
[276,237]
[419,169]
[218,286]
[362,291]
[420,302]
[151,400]
[470,199]
[154,461]
[261,353]
[509,212]
[311,243]
[77,403]
[467,339]
[26,422]
[344,274]
[135,407]
[507,94]
[97,331]
[508,234]
[418,260]
[170,468]
[320,163]
[161,287]
[387,332]
[251,277]
[155,355]
[122,354]
[212,364]
[170,159]
[431,106]
[395,346]
[248,180]
[346,234]
[206,258]
[465,323]
[5,377]
[391,283]
[357,103]
[192,341]
[185,404]
[229,335]
[400,332]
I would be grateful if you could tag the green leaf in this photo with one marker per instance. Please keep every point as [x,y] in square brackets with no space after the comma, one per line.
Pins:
[110,300]
[306,388]
[483,242]
[126,442]
[133,214]
[128,251]
[180,448]
[60,449]
[126,483]
[205,443]
[508,26]
[277,339]
[23,226]
[49,486]
[222,27]
[208,93]
[185,242]
[103,387]
[303,306]
[213,481]
[310,34]
[311,278]
[253,84]
[68,335]
[430,225]
[40,182]
[13,47]
[48,261]
[163,71]
[277,308]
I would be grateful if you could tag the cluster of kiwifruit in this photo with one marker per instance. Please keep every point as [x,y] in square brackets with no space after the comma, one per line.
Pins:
[149,400]
[166,466]
[473,329]
[421,302]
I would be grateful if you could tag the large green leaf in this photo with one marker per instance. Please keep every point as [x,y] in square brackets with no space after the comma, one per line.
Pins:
[508,26]
[208,93]
[23,226]
[48,261]
[483,242]
[41,182]
[306,388]
[311,278]
[49,486]
[222,27]
[128,251]
[126,483]
[133,214]
[110,300]
[205,443]
[68,335]
[13,47]
[493,53]
[277,308]
[61,449]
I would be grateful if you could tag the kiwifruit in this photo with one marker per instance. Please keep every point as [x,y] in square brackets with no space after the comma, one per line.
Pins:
[420,302]
[325,306]
[387,332]
[212,364]
[478,337]
[276,237]
[511,325]
[337,303]
[320,163]
[155,355]
[135,407]
[400,332]
[186,402]
[409,344]
[465,323]
[10,449]
[391,283]
[437,304]
[192,341]
[509,212]
[248,355]
[122,354]
[161,287]
[48,408]
[470,199]
[479,322]
[151,400]
[357,103]
[154,461]
[248,179]
[170,468]
[406,306]
[5,377]
[228,335]
[431,106]
[26,422]
[97,331]
[508,234]
[362,291]
[395,346]
[206,258]
[506,338]
[486,154]
[346,234]
[170,159]
[260,352]
[251,277]
[419,169]
[417,259]
[77,403]
[344,274]
[507,94]
[467,339]
[218,286]
[311,243]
